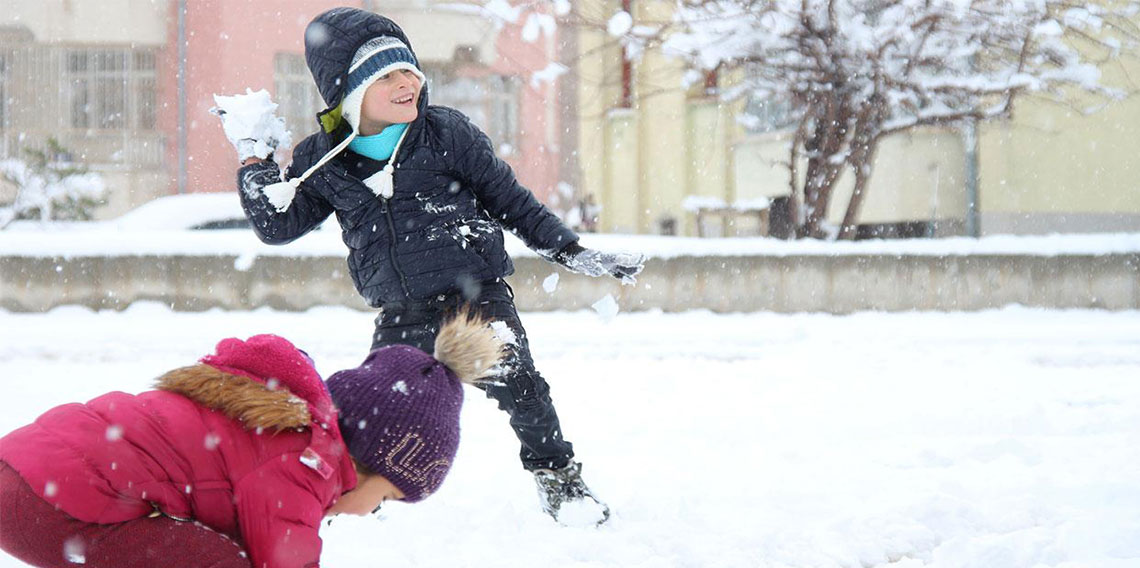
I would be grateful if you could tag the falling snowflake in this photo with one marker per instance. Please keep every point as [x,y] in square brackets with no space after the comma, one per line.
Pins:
[550,283]
[114,433]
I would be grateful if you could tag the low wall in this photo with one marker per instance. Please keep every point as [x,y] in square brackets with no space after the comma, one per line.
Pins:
[779,283]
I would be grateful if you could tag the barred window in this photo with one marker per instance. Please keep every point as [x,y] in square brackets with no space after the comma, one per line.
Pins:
[296,94]
[492,102]
[111,88]
[764,113]
[504,124]
[767,115]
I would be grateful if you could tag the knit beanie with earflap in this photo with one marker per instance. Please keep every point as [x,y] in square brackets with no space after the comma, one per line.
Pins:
[399,410]
[375,58]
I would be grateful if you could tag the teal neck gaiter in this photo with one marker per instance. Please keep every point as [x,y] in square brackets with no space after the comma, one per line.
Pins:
[380,146]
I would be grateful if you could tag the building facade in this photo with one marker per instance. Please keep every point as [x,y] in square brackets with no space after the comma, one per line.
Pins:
[647,147]
[126,85]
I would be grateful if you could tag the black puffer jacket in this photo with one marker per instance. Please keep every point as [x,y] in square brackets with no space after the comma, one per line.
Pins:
[442,226]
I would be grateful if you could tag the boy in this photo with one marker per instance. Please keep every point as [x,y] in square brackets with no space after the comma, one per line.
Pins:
[233,462]
[421,199]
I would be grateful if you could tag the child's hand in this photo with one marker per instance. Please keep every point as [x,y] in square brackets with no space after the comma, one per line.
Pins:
[251,125]
[623,266]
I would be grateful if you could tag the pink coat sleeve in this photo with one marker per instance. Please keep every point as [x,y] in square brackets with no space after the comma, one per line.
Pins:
[280,506]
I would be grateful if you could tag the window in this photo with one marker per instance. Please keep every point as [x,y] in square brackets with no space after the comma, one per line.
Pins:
[767,115]
[503,126]
[111,89]
[491,101]
[297,96]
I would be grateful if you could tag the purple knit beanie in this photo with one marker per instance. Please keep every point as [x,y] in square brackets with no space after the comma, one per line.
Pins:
[399,410]
[399,416]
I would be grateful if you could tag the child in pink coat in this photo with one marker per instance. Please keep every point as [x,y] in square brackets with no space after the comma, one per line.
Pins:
[234,461]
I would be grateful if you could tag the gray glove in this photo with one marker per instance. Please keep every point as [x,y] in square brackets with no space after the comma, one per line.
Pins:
[623,266]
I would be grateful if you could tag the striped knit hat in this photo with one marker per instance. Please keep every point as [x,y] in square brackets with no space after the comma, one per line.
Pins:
[376,58]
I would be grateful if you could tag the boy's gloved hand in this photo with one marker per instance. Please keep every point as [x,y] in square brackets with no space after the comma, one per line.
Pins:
[623,266]
[251,125]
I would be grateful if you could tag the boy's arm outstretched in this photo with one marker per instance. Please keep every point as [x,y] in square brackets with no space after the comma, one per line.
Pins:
[501,195]
[517,209]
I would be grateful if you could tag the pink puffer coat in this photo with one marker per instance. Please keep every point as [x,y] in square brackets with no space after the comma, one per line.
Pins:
[246,443]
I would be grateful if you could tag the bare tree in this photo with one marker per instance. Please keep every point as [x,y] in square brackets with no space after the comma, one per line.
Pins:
[857,71]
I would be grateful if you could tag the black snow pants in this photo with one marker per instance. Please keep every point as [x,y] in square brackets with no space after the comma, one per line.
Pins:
[520,390]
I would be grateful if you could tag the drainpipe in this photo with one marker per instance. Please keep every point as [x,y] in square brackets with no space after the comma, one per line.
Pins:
[970,141]
[182,134]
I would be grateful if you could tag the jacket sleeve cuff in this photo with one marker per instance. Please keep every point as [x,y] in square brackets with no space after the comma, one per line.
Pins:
[567,252]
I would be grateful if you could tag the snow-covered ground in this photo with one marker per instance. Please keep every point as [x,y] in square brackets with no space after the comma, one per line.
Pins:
[996,439]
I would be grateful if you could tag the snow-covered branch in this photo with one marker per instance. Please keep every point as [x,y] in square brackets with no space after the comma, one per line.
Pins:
[854,71]
[49,189]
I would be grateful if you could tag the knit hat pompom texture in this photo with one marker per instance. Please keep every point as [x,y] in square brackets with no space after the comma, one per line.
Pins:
[399,410]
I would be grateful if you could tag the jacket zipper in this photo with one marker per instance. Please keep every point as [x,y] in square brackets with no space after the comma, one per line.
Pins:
[391,223]
[387,212]
[392,246]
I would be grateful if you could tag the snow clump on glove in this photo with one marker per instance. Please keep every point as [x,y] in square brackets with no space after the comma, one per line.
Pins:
[251,124]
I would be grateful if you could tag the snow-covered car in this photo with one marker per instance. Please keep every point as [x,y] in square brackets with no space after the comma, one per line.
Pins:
[193,211]
[190,211]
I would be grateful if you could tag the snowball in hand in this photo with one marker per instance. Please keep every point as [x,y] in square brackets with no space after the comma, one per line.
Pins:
[250,123]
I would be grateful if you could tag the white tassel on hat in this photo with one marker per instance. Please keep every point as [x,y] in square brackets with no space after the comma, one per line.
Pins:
[281,193]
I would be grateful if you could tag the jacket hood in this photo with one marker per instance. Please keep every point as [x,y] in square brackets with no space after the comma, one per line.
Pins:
[331,40]
[253,403]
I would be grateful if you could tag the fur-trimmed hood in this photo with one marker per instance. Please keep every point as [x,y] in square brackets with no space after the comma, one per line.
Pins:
[263,382]
[257,405]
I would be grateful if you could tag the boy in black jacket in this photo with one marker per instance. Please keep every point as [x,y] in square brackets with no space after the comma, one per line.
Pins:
[422,199]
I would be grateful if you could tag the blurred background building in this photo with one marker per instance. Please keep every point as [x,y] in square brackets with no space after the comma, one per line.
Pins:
[126,85]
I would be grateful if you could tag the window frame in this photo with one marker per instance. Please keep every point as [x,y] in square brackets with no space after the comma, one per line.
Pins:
[110,89]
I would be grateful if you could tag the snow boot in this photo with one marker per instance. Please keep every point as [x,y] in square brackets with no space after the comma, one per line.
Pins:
[565,497]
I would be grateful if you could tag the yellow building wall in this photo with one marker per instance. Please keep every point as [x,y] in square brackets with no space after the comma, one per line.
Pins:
[917,176]
[1050,167]
[1055,168]
[759,165]
[708,157]
[622,193]
[660,107]
[597,76]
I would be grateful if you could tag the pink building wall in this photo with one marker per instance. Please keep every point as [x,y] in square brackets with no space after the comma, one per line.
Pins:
[536,157]
[231,46]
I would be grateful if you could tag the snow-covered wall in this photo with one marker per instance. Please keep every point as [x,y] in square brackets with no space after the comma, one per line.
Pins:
[725,282]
